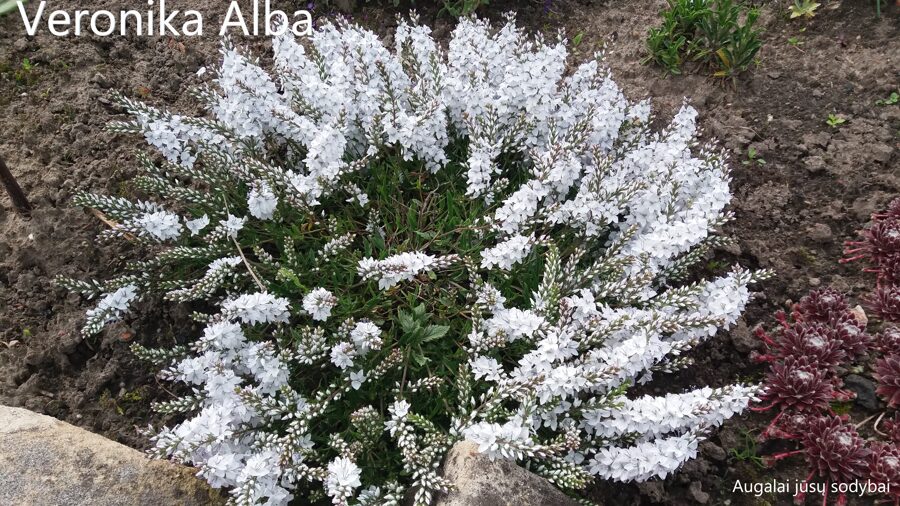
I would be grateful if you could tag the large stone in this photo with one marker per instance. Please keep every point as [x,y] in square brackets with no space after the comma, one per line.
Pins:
[45,462]
[480,481]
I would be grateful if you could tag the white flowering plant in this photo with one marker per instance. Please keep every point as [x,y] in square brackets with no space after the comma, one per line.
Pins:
[405,247]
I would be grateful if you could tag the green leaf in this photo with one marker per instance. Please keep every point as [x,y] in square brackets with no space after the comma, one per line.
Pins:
[577,40]
[378,240]
[8,6]
[407,323]
[435,332]
[420,359]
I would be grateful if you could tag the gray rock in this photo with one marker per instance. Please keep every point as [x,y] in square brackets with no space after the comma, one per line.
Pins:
[101,81]
[696,490]
[480,481]
[864,389]
[47,462]
[713,451]
[820,233]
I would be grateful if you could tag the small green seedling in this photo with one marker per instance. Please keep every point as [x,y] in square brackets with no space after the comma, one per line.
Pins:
[753,158]
[748,452]
[577,40]
[25,75]
[795,41]
[891,100]
[803,8]
[835,121]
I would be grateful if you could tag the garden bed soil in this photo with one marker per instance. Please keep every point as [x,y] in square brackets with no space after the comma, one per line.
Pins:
[818,185]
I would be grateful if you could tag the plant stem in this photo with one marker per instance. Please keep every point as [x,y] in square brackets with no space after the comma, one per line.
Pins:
[20,202]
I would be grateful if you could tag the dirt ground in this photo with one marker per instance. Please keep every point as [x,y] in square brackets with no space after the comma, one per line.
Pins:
[817,186]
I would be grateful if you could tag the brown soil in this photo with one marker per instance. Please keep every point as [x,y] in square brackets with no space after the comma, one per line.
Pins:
[818,185]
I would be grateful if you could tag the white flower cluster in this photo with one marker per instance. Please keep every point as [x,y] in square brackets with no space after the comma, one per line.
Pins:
[651,416]
[570,275]
[319,303]
[110,308]
[255,308]
[396,268]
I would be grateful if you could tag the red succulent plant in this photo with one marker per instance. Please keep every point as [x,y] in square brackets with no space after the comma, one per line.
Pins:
[885,302]
[820,305]
[884,468]
[892,211]
[851,333]
[834,451]
[812,347]
[879,245]
[797,384]
[887,372]
[888,340]
[892,428]
[813,340]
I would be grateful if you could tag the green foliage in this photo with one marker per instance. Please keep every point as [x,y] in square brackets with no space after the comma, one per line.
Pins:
[24,74]
[753,157]
[841,407]
[709,32]
[795,41]
[803,8]
[748,451]
[8,6]
[577,40]
[460,8]
[894,98]
[835,120]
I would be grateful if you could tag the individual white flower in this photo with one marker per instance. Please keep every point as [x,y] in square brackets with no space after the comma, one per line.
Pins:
[343,477]
[366,336]
[399,409]
[487,368]
[120,299]
[222,470]
[262,202]
[357,378]
[318,303]
[232,225]
[342,355]
[161,225]
[223,335]
[195,226]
